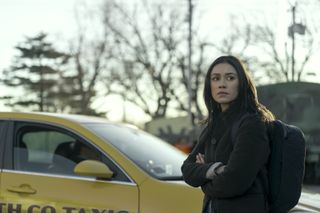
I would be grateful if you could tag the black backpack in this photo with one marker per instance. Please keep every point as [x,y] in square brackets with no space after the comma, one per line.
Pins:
[285,166]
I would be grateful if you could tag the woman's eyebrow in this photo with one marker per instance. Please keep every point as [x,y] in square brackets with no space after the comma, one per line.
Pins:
[228,73]
[231,73]
[214,75]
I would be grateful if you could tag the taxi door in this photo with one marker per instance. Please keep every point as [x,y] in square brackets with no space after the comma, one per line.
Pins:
[37,175]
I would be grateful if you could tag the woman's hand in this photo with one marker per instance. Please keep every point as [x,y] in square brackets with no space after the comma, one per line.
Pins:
[220,169]
[214,170]
[200,158]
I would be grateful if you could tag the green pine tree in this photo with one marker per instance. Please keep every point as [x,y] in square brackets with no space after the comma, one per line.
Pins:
[36,71]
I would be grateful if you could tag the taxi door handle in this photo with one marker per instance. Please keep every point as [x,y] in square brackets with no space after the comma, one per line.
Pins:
[23,188]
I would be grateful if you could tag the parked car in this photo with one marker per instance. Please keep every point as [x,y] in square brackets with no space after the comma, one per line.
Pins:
[80,164]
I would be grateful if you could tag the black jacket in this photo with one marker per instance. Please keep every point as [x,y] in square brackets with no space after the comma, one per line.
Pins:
[241,187]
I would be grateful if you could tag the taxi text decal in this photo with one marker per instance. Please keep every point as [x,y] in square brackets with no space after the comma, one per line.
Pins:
[17,208]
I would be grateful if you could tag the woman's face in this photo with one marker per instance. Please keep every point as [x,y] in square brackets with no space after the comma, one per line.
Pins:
[224,84]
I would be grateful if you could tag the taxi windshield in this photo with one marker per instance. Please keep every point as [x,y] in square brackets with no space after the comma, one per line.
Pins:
[156,157]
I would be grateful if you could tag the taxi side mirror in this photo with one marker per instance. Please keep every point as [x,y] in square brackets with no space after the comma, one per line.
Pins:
[93,168]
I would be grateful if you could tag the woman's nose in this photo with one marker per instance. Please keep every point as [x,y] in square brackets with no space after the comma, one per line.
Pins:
[222,83]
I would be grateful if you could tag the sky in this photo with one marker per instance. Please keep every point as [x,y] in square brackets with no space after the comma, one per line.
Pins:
[20,18]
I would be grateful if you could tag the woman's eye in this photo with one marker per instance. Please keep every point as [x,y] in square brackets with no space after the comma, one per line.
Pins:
[214,78]
[230,78]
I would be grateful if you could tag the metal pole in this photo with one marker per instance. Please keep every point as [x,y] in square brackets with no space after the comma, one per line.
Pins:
[293,42]
[189,66]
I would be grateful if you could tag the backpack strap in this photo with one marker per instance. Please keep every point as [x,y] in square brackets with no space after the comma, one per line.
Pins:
[279,124]
[236,125]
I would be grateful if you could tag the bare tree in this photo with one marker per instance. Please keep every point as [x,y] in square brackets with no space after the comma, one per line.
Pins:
[238,41]
[90,56]
[145,54]
[281,63]
[152,58]
[198,71]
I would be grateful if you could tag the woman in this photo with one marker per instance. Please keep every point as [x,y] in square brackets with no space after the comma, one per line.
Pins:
[232,174]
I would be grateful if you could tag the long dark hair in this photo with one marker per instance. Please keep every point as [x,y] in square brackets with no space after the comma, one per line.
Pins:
[247,100]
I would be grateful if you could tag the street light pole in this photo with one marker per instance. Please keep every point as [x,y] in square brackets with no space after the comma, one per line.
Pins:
[293,42]
[189,79]
[293,29]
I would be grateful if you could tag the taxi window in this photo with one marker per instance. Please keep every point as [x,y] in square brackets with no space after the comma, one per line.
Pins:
[46,150]
[42,144]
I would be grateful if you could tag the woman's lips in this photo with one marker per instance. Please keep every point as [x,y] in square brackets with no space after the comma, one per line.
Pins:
[222,93]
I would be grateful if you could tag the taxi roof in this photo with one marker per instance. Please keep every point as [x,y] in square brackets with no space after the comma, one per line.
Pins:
[62,118]
[69,117]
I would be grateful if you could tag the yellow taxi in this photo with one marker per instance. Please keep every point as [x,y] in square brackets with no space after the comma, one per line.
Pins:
[52,163]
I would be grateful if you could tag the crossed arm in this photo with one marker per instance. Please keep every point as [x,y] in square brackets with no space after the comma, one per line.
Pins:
[249,155]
